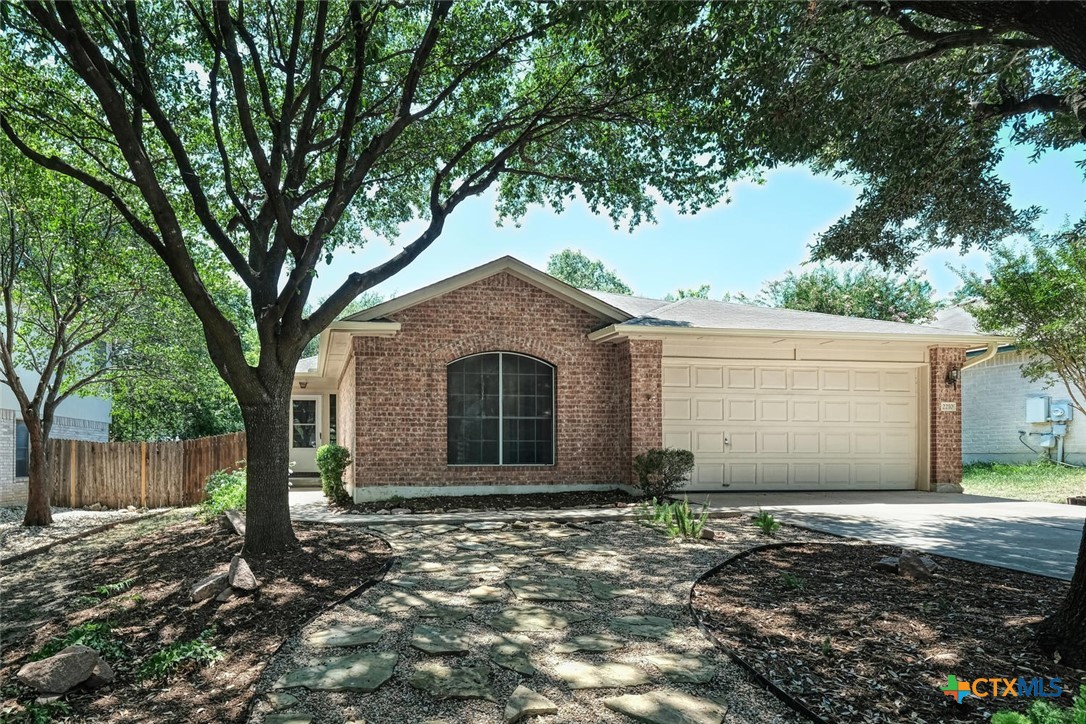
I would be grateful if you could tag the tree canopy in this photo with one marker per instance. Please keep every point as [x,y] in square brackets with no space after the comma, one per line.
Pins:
[575,268]
[861,292]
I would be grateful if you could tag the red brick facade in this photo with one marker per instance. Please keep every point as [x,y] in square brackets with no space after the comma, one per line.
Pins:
[946,425]
[398,386]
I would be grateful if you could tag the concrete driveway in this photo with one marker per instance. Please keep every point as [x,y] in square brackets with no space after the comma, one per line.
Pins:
[1040,538]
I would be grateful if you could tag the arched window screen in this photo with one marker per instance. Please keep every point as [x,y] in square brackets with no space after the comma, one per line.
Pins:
[501,410]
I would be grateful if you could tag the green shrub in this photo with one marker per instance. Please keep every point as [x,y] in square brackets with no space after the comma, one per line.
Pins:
[660,472]
[675,519]
[766,523]
[165,661]
[97,635]
[225,491]
[36,712]
[112,589]
[1042,712]
[332,460]
[791,580]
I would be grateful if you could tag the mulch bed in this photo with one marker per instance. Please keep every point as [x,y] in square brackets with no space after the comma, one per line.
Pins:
[519,501]
[857,645]
[156,611]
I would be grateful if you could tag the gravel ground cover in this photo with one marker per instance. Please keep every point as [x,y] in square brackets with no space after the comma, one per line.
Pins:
[604,605]
[16,538]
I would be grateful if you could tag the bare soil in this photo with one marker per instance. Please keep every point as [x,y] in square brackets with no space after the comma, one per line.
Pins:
[857,645]
[48,594]
[519,501]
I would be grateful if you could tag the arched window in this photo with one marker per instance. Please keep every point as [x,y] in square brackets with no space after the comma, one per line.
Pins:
[501,410]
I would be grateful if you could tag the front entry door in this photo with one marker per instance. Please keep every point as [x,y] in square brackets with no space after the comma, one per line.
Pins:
[305,433]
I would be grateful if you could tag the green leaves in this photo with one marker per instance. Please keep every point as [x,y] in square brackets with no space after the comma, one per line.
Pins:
[576,269]
[861,292]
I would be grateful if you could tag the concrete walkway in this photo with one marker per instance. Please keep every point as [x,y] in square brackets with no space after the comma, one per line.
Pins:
[1040,538]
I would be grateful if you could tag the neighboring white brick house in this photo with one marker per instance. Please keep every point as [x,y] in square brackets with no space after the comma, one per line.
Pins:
[77,418]
[994,396]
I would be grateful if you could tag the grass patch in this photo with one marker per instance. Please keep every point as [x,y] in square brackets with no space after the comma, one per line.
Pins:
[1045,482]
[97,635]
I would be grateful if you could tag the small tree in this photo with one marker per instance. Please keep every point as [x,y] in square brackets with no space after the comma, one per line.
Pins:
[864,291]
[701,292]
[332,460]
[576,269]
[1038,296]
[660,472]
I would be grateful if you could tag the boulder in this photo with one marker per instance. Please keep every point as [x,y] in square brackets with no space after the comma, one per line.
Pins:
[910,566]
[241,576]
[227,594]
[101,675]
[887,564]
[708,534]
[237,521]
[61,671]
[210,587]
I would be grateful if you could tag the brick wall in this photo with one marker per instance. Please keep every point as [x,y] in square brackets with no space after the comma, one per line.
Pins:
[13,490]
[946,426]
[994,396]
[646,409]
[400,388]
[345,416]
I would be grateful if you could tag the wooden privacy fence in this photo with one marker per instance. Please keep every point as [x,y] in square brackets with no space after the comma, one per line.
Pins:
[144,474]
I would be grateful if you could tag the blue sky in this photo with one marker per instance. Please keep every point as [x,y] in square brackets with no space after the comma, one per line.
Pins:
[763,232]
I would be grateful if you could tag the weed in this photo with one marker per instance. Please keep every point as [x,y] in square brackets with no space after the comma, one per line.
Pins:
[676,519]
[1042,712]
[97,635]
[161,664]
[827,647]
[791,580]
[766,523]
[112,589]
[84,601]
[36,712]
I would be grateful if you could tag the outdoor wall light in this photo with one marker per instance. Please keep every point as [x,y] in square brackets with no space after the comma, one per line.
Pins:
[302,384]
[952,376]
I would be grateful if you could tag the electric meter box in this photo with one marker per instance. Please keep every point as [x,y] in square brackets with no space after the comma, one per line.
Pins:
[1060,411]
[1037,409]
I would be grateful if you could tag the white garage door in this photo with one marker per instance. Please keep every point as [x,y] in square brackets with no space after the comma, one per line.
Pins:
[766,426]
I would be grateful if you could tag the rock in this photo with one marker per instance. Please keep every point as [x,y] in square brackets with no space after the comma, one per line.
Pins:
[237,521]
[382,511]
[60,672]
[683,668]
[485,594]
[446,614]
[445,682]
[484,526]
[401,602]
[667,707]
[436,528]
[910,566]
[590,642]
[434,640]
[438,510]
[343,635]
[210,587]
[288,717]
[421,567]
[605,591]
[534,618]
[609,675]
[520,525]
[364,671]
[886,565]
[948,488]
[708,534]
[544,589]
[400,511]
[512,653]
[652,627]
[227,594]
[241,576]
[525,703]
[281,700]
[462,510]
[101,675]
[131,509]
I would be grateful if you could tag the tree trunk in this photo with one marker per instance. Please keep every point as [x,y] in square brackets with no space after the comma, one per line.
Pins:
[38,511]
[1063,634]
[267,444]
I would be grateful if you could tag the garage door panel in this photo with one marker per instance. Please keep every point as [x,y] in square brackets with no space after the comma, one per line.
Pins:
[805,443]
[836,411]
[772,378]
[708,376]
[740,443]
[740,378]
[675,376]
[708,442]
[774,443]
[837,443]
[835,379]
[676,408]
[742,410]
[804,410]
[773,411]
[867,381]
[680,439]
[804,379]
[710,409]
[868,411]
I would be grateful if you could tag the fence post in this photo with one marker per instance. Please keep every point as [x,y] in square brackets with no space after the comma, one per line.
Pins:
[143,475]
[71,479]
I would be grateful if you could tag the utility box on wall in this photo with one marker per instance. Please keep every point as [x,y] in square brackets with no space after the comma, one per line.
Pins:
[1060,411]
[1037,409]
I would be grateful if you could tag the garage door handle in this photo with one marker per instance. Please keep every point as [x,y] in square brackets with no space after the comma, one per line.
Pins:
[727,441]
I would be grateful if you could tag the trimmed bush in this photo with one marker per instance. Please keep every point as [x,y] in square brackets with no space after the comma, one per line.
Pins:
[332,460]
[660,472]
[225,491]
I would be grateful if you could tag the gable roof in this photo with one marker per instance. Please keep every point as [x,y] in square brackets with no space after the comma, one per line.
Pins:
[601,308]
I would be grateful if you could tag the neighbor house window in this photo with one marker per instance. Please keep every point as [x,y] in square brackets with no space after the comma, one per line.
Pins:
[501,410]
[22,451]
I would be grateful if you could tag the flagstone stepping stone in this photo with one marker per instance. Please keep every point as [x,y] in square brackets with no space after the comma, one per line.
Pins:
[344,635]
[447,682]
[428,583]
[364,671]
[683,668]
[281,700]
[545,589]
[401,602]
[478,567]
[436,528]
[608,675]
[485,594]
[561,533]
[484,525]
[434,640]
[605,591]
[421,566]
[650,627]
[470,545]
[590,642]
[667,707]
[530,617]
[548,551]
[516,560]
[391,531]
[512,653]
[287,717]
[447,614]
[525,703]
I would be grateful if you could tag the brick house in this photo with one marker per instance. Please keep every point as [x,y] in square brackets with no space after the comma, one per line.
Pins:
[503,379]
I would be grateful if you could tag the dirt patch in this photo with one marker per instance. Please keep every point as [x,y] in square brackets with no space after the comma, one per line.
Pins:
[519,501]
[858,645]
[55,592]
